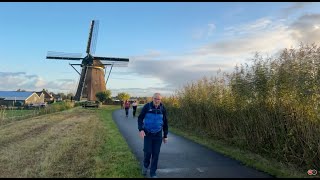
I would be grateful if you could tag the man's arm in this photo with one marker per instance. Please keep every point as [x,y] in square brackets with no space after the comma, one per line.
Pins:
[141,117]
[165,123]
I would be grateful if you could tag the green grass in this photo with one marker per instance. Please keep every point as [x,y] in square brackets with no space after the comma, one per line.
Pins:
[115,159]
[14,113]
[247,158]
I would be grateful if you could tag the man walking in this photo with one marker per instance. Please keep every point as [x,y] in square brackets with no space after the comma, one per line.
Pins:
[151,122]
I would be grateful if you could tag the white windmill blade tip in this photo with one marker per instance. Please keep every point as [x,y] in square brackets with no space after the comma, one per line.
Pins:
[64,54]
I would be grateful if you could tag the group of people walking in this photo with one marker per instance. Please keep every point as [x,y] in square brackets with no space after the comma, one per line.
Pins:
[127,105]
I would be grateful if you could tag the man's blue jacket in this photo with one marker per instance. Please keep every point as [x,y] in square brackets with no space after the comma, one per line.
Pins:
[151,116]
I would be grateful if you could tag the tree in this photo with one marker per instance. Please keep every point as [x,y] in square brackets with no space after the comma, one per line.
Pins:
[62,95]
[123,96]
[104,95]
[69,95]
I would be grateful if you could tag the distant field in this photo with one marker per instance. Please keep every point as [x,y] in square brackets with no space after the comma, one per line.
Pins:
[8,115]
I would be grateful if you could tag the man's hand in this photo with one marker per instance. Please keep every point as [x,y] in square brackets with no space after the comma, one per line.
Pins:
[142,134]
[165,140]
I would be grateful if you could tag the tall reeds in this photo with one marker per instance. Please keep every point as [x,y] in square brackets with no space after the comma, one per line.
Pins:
[270,107]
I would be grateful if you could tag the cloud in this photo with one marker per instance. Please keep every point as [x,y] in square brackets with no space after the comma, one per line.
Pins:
[175,71]
[144,92]
[306,28]
[21,80]
[205,32]
[294,7]
[261,35]
[266,35]
[211,28]
[249,28]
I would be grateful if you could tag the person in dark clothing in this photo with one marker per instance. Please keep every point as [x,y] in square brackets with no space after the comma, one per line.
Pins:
[126,107]
[134,108]
[121,104]
[151,122]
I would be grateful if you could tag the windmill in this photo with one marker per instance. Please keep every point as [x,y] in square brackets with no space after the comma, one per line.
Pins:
[92,76]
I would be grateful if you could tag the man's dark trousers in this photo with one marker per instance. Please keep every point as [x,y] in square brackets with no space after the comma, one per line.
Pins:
[152,144]
[134,110]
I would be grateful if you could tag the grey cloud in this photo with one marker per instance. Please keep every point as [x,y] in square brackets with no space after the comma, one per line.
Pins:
[259,36]
[122,78]
[174,72]
[64,80]
[294,7]
[31,76]
[268,38]
[21,80]
[167,91]
[232,47]
[208,65]
[17,80]
[306,29]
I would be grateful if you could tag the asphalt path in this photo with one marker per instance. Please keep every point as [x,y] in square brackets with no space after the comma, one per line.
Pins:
[182,158]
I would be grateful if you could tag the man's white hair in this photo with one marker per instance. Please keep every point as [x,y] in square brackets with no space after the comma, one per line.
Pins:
[156,94]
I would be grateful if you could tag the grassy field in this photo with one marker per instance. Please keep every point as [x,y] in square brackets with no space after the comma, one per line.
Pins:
[73,143]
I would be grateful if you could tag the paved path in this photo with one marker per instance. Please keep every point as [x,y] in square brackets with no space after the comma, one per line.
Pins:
[182,158]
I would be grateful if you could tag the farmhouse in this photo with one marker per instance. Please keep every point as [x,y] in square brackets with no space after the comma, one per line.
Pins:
[20,98]
[47,96]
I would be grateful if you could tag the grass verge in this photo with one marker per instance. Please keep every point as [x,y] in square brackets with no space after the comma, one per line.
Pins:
[249,159]
[115,160]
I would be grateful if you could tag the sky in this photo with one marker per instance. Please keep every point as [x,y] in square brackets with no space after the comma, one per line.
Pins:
[168,44]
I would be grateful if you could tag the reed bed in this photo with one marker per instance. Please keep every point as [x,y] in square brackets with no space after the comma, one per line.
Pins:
[270,107]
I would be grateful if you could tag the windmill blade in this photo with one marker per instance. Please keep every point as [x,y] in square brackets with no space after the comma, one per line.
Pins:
[90,37]
[63,55]
[111,59]
[94,37]
[116,64]
[63,58]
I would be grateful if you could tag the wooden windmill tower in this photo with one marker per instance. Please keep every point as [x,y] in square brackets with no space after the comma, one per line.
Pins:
[92,76]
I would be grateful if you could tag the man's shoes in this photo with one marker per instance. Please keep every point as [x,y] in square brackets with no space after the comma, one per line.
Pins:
[154,176]
[144,171]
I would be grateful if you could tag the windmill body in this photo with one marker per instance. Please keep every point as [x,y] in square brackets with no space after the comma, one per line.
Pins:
[91,81]
[92,76]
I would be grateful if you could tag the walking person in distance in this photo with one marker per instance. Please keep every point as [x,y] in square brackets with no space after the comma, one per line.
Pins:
[134,108]
[126,107]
